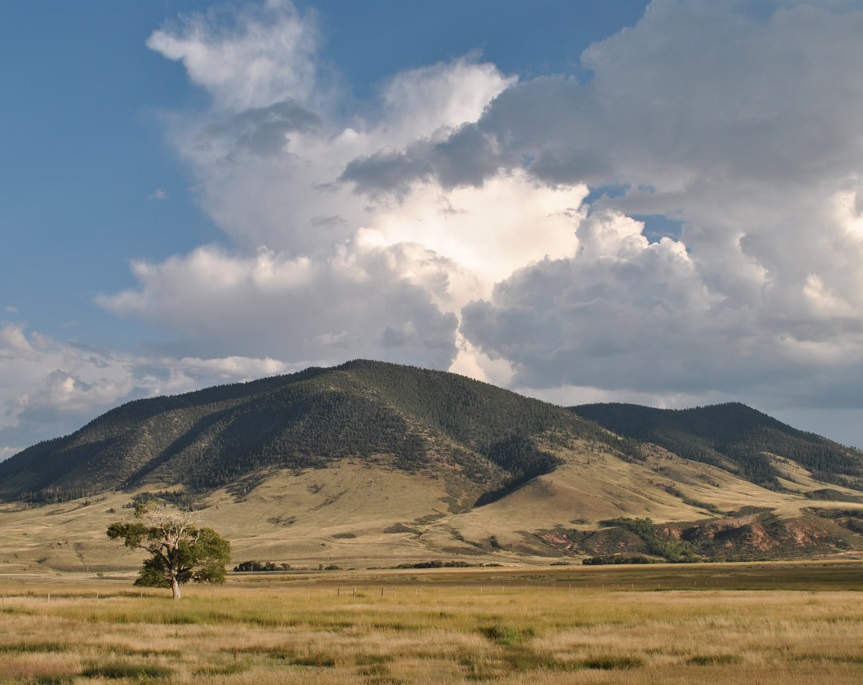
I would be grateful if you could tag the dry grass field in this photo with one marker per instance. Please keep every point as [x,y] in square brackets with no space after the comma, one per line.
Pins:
[765,624]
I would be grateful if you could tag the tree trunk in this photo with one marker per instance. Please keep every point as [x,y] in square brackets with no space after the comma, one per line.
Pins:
[175,588]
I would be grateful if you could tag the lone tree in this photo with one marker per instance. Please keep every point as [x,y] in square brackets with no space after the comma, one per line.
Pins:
[179,552]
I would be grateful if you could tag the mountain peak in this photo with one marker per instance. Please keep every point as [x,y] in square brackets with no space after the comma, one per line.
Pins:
[414,418]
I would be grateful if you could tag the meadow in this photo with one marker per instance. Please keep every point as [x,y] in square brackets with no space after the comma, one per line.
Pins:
[717,623]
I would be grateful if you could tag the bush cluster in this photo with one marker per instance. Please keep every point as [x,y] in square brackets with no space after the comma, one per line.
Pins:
[260,566]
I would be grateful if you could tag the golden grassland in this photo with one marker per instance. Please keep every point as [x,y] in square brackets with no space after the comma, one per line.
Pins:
[717,623]
[355,515]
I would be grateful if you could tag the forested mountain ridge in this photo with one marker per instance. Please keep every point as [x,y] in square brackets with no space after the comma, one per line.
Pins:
[370,461]
[210,438]
[483,441]
[734,437]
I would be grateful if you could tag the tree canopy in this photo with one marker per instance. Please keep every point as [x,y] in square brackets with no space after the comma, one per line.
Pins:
[179,551]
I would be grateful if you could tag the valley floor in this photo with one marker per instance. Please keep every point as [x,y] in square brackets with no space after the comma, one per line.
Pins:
[719,623]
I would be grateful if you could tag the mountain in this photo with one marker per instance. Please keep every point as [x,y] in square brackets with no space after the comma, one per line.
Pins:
[733,437]
[369,464]
[484,437]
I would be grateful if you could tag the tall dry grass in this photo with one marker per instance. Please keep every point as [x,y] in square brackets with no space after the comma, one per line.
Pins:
[427,633]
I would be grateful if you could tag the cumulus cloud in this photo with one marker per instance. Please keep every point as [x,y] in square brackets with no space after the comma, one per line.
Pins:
[315,269]
[629,315]
[472,220]
[746,128]
[353,304]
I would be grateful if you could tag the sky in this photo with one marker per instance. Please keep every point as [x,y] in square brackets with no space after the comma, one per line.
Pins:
[581,200]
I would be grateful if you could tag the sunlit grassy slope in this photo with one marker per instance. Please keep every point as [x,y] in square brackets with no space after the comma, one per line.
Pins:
[358,515]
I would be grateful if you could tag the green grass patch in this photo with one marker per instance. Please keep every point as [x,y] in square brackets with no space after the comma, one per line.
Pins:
[396,626]
[526,660]
[314,660]
[610,663]
[506,636]
[293,659]
[833,658]
[476,670]
[124,650]
[225,669]
[373,659]
[119,670]
[377,672]
[34,647]
[714,660]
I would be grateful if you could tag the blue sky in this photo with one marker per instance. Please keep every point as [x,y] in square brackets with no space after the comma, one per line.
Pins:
[83,153]
[582,200]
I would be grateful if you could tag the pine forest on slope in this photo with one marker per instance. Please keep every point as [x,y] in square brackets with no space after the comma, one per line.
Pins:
[415,418]
[731,436]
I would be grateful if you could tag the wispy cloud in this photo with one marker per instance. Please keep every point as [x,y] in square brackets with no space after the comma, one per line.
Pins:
[50,388]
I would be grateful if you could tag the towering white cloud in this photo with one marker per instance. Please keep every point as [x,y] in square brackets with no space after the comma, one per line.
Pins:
[679,222]
[352,304]
[317,270]
[516,226]
[742,123]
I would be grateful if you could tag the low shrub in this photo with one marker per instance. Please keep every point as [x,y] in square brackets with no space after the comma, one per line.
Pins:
[506,635]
